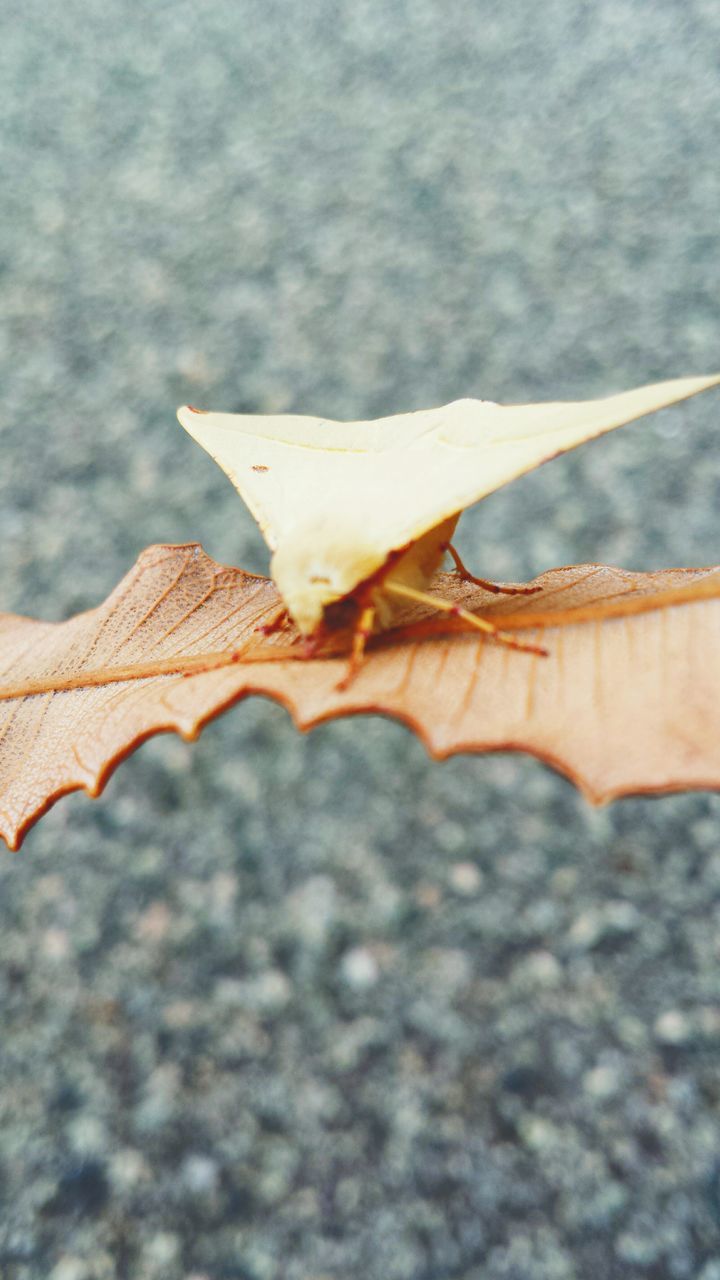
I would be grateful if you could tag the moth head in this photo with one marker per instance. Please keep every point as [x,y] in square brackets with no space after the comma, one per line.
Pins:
[319,565]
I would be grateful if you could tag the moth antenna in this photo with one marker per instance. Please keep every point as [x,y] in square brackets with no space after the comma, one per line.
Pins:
[467,576]
[472,619]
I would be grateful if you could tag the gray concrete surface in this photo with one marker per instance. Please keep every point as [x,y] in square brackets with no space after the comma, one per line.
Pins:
[318,1009]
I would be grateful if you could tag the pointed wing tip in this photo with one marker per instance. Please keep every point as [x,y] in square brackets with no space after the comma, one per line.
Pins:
[188,411]
[698,382]
[692,385]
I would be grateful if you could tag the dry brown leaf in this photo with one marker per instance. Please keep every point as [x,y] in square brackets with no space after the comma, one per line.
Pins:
[626,702]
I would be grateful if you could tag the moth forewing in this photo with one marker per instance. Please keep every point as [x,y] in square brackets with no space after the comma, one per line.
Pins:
[349,506]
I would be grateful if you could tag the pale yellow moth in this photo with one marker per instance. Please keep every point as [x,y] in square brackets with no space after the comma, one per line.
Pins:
[363,512]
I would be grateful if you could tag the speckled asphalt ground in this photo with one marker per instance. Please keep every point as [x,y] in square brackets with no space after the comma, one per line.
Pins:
[318,1009]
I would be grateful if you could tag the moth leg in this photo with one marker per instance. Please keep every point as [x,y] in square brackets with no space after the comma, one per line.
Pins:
[472,619]
[467,576]
[361,635]
[281,619]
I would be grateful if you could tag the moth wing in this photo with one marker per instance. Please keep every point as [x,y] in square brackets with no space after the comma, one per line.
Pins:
[502,442]
[292,470]
[363,489]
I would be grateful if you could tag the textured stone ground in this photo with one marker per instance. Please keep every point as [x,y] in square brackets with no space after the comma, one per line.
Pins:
[318,1009]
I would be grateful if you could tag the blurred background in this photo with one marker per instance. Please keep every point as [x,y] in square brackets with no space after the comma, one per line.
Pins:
[284,1008]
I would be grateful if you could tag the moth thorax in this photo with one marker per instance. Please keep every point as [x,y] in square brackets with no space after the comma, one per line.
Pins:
[317,566]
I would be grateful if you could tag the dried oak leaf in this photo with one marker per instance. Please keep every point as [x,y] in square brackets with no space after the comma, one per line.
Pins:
[626,702]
